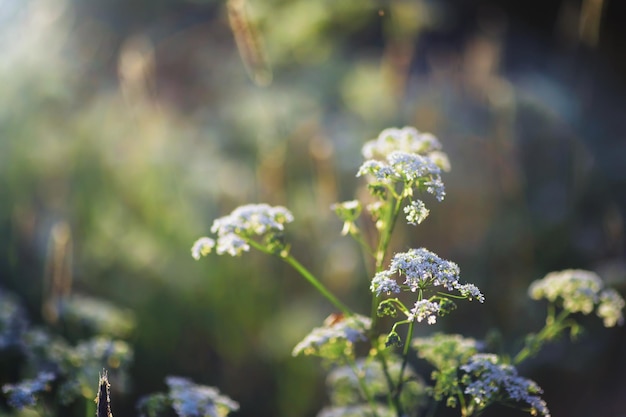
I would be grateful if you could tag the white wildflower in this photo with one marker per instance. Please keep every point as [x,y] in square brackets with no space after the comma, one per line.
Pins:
[348,330]
[191,400]
[494,381]
[416,212]
[580,291]
[422,269]
[610,308]
[243,224]
[424,309]
[407,139]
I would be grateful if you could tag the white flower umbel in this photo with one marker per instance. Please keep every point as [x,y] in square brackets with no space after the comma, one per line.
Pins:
[337,335]
[408,139]
[491,381]
[422,270]
[245,223]
[445,350]
[412,170]
[191,400]
[425,309]
[416,212]
[610,308]
[580,291]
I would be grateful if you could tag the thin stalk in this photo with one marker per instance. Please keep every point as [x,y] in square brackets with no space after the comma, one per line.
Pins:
[306,274]
[381,251]
[363,387]
[316,284]
[553,326]
[385,237]
[392,399]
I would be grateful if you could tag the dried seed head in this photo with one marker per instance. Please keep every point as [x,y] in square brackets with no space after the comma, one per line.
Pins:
[103,400]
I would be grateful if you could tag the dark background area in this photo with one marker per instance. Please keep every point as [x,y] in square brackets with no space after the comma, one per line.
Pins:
[136,123]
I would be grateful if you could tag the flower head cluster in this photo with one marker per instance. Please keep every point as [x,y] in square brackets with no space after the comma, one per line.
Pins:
[422,269]
[25,393]
[416,212]
[191,400]
[357,410]
[407,139]
[425,309]
[491,381]
[244,223]
[413,170]
[580,291]
[445,350]
[337,336]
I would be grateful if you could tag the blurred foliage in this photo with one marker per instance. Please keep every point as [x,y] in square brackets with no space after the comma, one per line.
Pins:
[133,123]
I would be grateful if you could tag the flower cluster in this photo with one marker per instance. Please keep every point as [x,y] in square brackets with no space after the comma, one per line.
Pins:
[425,309]
[235,231]
[412,170]
[445,350]
[358,410]
[422,269]
[490,381]
[416,212]
[445,353]
[337,335]
[408,140]
[192,400]
[580,291]
[25,393]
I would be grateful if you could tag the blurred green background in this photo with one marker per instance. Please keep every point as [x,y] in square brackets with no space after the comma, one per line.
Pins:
[131,125]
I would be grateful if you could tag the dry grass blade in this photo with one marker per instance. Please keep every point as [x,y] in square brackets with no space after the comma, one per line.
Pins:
[249,43]
[103,400]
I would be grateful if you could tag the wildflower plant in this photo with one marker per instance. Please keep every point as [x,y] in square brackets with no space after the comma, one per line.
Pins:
[187,399]
[371,374]
[56,373]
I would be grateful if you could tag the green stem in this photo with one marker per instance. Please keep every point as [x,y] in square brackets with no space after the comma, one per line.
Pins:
[305,273]
[393,400]
[553,326]
[362,386]
[316,284]
[405,358]
[385,237]
[381,251]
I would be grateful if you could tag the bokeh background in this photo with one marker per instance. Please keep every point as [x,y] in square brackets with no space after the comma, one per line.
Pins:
[126,127]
